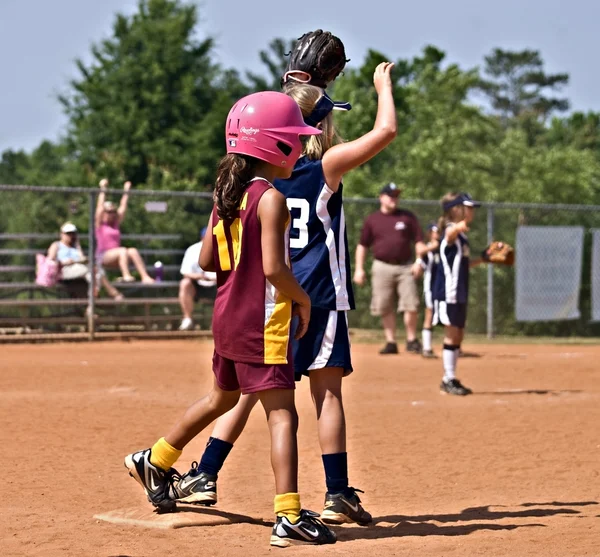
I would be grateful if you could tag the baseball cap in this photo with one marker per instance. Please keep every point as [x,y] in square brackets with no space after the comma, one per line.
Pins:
[462,199]
[68,228]
[390,189]
[433,226]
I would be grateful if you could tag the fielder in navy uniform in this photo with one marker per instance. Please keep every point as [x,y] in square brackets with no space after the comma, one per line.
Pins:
[451,285]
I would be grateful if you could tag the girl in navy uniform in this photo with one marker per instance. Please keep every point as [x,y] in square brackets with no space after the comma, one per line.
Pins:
[451,286]
[321,263]
[430,262]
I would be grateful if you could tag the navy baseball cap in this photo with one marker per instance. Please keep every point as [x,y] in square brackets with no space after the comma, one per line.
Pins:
[462,199]
[390,189]
[433,226]
[323,107]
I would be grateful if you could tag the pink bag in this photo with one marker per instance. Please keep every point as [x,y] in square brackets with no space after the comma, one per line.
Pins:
[46,271]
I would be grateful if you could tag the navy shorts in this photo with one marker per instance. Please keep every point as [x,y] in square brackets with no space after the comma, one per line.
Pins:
[454,315]
[325,344]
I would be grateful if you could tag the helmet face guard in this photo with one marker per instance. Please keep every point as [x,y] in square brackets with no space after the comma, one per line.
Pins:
[267,126]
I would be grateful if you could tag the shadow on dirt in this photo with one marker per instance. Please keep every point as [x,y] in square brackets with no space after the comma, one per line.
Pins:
[390,526]
[527,392]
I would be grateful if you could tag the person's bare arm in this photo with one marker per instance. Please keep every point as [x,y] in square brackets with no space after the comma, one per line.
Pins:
[452,232]
[206,258]
[53,251]
[273,215]
[344,157]
[195,276]
[360,258]
[100,203]
[123,204]
[421,249]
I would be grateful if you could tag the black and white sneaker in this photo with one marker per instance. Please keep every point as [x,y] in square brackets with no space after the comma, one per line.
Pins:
[158,484]
[454,387]
[342,508]
[389,348]
[308,530]
[197,487]
[429,354]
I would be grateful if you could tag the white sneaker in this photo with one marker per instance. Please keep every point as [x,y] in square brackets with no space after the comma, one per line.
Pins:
[186,324]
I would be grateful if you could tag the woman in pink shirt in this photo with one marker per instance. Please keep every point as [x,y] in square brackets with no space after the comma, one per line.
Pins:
[109,252]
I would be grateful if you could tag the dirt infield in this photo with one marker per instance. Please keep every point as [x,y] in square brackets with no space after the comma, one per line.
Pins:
[512,470]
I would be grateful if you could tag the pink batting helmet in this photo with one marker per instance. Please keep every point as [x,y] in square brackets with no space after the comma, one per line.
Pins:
[267,126]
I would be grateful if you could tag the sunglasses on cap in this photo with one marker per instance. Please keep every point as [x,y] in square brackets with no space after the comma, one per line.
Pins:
[323,107]
[462,199]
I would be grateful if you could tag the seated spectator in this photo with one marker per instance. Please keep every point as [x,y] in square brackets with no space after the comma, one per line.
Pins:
[193,282]
[74,270]
[109,253]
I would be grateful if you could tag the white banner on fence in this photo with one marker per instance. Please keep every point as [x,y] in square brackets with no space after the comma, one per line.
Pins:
[548,272]
[596,275]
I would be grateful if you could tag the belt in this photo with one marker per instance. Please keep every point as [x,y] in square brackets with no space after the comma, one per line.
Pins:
[395,262]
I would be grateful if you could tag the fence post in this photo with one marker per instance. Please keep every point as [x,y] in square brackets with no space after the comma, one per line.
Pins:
[92,266]
[490,276]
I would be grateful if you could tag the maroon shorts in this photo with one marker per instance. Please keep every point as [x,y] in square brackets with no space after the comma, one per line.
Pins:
[252,378]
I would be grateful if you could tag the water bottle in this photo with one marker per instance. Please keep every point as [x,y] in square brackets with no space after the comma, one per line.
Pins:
[158,271]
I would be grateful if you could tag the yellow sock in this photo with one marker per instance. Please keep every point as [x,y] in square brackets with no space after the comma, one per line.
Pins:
[164,455]
[288,505]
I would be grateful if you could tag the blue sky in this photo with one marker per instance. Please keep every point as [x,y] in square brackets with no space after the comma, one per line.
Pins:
[39,41]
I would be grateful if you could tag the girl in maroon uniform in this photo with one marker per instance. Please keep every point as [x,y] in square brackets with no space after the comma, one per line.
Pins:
[253,309]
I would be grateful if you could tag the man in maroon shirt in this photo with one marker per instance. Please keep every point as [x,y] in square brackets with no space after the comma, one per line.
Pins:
[391,233]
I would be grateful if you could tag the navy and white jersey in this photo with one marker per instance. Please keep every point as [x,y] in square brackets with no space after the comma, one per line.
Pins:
[451,283]
[430,269]
[318,242]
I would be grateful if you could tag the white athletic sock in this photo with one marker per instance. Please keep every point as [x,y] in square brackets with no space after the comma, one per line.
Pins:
[426,333]
[449,357]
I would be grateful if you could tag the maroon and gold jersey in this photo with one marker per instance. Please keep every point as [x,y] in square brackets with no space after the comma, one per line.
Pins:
[251,319]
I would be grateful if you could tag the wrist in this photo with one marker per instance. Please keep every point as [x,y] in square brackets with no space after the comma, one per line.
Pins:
[305,302]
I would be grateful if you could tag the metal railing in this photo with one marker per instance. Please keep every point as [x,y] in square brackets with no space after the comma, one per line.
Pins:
[41,210]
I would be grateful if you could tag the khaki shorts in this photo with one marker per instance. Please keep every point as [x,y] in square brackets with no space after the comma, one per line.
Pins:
[391,282]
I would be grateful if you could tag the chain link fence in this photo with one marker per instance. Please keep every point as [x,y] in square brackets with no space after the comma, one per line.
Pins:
[163,224]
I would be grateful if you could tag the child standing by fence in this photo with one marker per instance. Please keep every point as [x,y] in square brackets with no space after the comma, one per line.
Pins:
[430,262]
[451,287]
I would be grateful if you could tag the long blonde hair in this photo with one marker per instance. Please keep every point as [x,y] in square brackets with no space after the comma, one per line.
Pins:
[307,96]
[451,214]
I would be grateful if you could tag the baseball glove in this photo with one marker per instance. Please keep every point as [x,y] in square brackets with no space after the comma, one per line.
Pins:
[499,252]
[320,55]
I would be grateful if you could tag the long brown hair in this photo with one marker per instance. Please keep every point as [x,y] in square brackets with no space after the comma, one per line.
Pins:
[233,174]
[450,214]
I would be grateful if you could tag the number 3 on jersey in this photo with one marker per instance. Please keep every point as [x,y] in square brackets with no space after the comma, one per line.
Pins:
[300,223]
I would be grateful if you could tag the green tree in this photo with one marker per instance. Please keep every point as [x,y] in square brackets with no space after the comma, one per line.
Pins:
[151,105]
[517,85]
[443,142]
[275,60]
[582,130]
